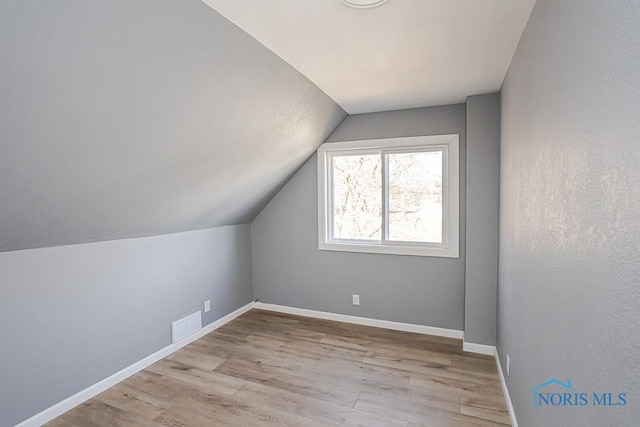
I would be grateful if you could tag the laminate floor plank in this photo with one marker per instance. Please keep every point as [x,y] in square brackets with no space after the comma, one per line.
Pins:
[478,363]
[196,358]
[205,381]
[320,388]
[466,388]
[131,400]
[325,412]
[408,410]
[267,368]
[97,414]
[499,416]
[485,378]
[231,411]
[338,374]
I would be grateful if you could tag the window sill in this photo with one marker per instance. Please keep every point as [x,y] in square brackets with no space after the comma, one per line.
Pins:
[387,249]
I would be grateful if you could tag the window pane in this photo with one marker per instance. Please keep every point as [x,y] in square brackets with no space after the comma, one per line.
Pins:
[357,197]
[415,197]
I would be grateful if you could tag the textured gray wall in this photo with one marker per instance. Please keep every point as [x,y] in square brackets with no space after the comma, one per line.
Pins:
[289,269]
[135,118]
[483,193]
[569,280]
[73,315]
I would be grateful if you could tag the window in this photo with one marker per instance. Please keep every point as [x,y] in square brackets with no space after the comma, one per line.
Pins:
[392,196]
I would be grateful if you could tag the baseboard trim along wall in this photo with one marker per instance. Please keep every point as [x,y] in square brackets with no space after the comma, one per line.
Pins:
[387,324]
[505,391]
[91,391]
[479,348]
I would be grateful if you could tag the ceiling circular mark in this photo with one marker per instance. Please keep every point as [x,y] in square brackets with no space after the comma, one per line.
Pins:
[363,4]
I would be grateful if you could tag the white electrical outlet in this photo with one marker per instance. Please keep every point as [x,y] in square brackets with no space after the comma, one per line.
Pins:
[508,364]
[356,299]
[207,306]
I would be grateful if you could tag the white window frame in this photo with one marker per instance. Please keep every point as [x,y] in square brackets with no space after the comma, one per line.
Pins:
[448,144]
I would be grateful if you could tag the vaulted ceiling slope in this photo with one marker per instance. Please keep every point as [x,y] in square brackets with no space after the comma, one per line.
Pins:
[133,118]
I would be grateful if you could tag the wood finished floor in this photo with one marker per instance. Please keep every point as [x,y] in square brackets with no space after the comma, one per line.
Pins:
[267,368]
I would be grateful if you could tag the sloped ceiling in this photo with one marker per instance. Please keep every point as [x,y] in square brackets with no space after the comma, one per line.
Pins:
[129,118]
[403,54]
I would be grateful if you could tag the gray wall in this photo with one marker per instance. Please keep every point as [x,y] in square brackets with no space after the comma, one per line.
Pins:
[289,269]
[71,316]
[569,276]
[483,191]
[135,118]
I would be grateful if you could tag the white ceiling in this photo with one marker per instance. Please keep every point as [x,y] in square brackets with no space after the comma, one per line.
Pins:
[403,54]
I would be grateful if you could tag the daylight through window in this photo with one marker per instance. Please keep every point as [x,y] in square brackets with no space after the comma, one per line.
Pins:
[397,196]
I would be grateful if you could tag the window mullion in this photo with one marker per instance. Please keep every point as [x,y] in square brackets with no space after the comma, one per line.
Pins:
[385,196]
[445,197]
[329,194]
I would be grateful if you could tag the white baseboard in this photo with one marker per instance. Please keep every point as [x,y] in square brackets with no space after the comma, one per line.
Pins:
[479,348]
[397,326]
[505,391]
[91,391]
